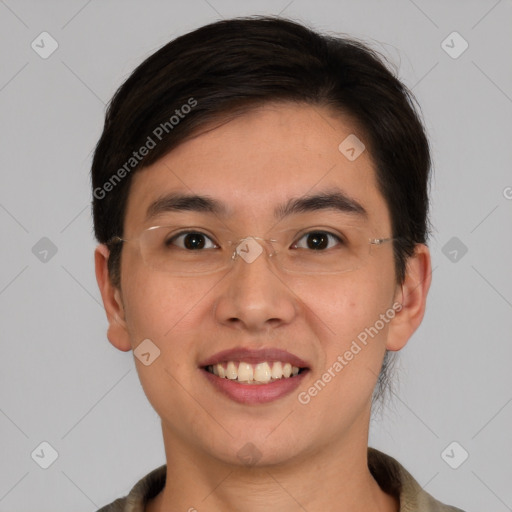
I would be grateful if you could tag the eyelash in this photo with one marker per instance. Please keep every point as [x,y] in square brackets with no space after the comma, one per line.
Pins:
[338,239]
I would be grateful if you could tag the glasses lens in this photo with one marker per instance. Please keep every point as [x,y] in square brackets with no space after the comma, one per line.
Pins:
[326,251]
[182,251]
[191,251]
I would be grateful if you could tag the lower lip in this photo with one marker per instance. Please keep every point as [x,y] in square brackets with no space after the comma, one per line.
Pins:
[255,393]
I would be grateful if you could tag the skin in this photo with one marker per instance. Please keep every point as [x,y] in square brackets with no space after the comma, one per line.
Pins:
[313,456]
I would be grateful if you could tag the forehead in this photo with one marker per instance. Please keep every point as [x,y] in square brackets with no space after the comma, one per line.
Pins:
[254,164]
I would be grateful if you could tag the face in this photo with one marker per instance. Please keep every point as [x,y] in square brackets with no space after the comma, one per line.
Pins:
[251,166]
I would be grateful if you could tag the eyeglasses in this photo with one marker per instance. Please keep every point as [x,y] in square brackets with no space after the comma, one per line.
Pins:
[195,251]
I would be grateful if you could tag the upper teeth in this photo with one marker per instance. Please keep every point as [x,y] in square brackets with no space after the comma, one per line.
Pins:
[260,372]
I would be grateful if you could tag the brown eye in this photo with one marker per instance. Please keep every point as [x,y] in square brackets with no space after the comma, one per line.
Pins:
[192,241]
[317,241]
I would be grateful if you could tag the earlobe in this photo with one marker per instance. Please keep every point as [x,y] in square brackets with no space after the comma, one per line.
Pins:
[117,332]
[413,293]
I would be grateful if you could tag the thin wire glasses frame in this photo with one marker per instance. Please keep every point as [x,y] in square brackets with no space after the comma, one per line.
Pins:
[159,252]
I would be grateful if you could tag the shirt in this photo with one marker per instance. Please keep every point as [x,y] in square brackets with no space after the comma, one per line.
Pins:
[389,474]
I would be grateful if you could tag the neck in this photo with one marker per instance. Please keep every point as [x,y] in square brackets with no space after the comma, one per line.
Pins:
[333,478]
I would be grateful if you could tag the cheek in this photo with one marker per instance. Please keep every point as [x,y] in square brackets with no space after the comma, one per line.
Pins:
[341,307]
[161,307]
[165,310]
[347,313]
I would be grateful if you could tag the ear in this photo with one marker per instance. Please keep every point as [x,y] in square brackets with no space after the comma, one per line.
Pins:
[117,332]
[413,296]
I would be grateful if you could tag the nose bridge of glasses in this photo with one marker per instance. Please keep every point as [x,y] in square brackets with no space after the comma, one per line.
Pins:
[250,248]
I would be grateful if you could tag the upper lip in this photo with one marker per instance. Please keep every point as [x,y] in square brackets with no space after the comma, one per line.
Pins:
[254,356]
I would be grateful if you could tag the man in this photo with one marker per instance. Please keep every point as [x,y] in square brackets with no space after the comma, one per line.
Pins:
[260,199]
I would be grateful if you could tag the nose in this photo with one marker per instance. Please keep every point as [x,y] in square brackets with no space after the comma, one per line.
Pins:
[254,295]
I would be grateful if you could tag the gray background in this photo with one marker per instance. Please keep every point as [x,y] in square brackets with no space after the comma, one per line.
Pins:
[61,380]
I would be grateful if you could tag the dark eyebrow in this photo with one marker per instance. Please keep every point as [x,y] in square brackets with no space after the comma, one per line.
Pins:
[332,200]
[184,202]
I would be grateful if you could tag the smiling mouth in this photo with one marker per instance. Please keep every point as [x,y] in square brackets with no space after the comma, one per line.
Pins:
[260,373]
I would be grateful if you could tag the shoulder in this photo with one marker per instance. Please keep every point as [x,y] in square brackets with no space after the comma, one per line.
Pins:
[145,489]
[393,478]
[116,506]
